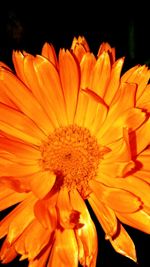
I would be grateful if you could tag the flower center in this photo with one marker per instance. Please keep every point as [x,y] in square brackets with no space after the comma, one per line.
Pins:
[73,155]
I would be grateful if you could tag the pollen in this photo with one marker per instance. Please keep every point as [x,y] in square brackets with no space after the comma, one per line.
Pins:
[73,155]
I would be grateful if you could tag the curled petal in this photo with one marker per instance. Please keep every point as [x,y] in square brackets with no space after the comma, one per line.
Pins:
[123,244]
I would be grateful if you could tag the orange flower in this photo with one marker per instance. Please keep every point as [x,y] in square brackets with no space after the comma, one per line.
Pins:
[72,130]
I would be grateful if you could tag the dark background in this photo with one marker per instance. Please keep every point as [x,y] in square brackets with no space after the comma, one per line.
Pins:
[124,26]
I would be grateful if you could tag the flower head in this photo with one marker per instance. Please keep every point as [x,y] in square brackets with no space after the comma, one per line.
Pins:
[72,129]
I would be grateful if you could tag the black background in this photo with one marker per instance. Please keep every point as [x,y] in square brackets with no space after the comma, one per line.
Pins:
[124,26]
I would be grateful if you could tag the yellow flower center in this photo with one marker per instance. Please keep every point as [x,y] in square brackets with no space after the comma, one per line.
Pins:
[73,155]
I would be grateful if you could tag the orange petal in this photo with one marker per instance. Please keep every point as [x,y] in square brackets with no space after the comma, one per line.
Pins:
[7,168]
[5,99]
[18,61]
[36,239]
[130,119]
[48,52]
[139,75]
[46,214]
[87,65]
[107,48]
[101,74]
[96,109]
[7,252]
[139,219]
[64,253]
[69,74]
[16,124]
[23,98]
[124,100]
[114,81]
[41,183]
[130,183]
[124,245]
[16,218]
[21,150]
[79,47]
[41,260]
[68,218]
[105,215]
[116,199]
[86,235]
[10,198]
[49,91]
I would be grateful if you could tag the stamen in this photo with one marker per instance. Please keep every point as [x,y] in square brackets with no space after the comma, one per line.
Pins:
[74,156]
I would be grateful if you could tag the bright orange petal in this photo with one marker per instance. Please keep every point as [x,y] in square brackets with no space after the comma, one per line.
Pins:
[48,52]
[130,119]
[116,199]
[16,124]
[79,47]
[36,239]
[86,234]
[139,219]
[139,75]
[46,214]
[41,183]
[21,150]
[9,197]
[21,96]
[69,74]
[16,219]
[101,74]
[68,218]
[7,252]
[131,184]
[107,48]
[105,215]
[114,81]
[124,245]
[65,250]
[86,66]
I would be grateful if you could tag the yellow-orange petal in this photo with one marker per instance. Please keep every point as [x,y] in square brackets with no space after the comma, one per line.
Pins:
[7,252]
[49,90]
[46,214]
[130,119]
[18,61]
[22,211]
[114,81]
[41,183]
[7,168]
[9,197]
[96,109]
[117,199]
[124,245]
[79,47]
[65,250]
[86,67]
[139,220]
[88,247]
[18,125]
[68,218]
[131,184]
[105,215]
[36,239]
[107,48]
[41,260]
[21,150]
[139,75]
[101,74]
[48,52]
[70,79]
[23,98]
